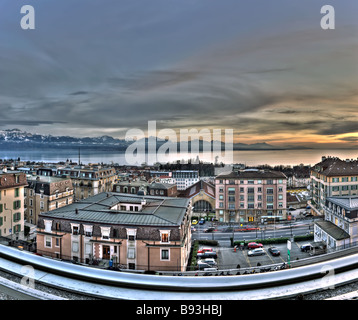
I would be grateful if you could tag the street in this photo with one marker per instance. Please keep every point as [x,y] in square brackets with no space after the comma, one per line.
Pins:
[223,233]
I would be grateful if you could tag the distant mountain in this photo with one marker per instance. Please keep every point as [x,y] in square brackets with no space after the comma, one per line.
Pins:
[15,138]
[256,146]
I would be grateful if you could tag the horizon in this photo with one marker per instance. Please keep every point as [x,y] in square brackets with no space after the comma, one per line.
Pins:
[266,70]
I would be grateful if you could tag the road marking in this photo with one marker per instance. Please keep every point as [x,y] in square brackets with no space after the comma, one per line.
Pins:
[247,258]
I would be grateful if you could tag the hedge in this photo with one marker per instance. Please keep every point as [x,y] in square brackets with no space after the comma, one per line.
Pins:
[195,248]
[276,240]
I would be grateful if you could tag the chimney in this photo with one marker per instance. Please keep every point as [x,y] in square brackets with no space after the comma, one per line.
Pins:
[76,211]
[143,202]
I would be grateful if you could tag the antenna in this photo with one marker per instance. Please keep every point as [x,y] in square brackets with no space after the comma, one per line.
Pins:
[79,156]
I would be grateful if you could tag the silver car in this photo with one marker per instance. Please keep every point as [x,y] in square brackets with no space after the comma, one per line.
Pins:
[256,252]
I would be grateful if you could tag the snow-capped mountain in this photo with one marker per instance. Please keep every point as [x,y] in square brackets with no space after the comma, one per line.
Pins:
[18,136]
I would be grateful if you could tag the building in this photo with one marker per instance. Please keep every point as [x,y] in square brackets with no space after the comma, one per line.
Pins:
[132,186]
[46,193]
[339,229]
[163,189]
[182,178]
[251,195]
[134,231]
[12,185]
[330,178]
[202,196]
[89,180]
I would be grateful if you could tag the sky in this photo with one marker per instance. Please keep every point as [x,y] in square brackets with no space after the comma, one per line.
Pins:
[265,69]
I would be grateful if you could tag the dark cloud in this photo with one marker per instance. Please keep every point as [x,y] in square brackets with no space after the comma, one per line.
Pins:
[184,64]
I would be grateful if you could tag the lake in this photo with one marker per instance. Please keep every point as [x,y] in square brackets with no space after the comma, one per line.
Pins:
[250,158]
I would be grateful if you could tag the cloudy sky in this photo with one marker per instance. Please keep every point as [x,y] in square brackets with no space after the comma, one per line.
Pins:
[263,68]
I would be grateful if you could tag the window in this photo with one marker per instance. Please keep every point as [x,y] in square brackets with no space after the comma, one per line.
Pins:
[75,229]
[17,193]
[105,232]
[164,236]
[131,253]
[88,248]
[164,254]
[48,242]
[48,225]
[74,246]
[17,204]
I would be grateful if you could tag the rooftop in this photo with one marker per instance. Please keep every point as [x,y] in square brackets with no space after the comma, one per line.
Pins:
[252,174]
[333,166]
[347,202]
[161,211]
[334,231]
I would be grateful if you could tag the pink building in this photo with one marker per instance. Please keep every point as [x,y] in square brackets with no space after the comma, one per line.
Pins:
[251,195]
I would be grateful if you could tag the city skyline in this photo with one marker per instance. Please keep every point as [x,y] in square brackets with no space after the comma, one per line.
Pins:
[266,70]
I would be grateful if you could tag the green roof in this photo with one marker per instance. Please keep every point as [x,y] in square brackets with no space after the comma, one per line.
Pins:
[161,211]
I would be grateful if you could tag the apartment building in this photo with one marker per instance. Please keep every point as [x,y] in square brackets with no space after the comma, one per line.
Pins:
[134,231]
[89,180]
[340,226]
[330,178]
[182,178]
[46,193]
[251,195]
[12,185]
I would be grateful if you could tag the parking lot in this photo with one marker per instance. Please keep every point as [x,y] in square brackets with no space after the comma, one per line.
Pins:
[228,258]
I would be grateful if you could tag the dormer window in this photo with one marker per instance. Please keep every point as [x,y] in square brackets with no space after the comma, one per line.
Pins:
[164,236]
[105,232]
[75,229]
[48,225]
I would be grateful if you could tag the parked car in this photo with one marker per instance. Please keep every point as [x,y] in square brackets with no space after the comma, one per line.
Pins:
[209,261]
[211,229]
[202,265]
[202,250]
[253,245]
[256,252]
[202,221]
[274,251]
[194,222]
[208,254]
[306,247]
